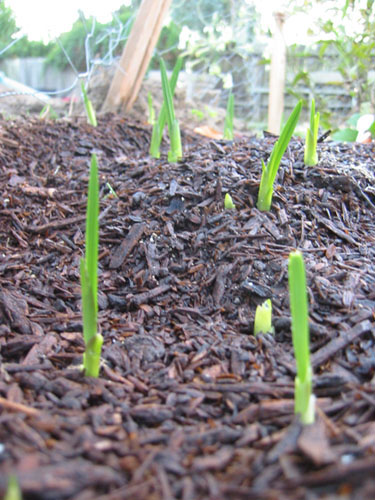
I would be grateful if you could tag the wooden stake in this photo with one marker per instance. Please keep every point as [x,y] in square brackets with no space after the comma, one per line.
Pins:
[137,54]
[277,76]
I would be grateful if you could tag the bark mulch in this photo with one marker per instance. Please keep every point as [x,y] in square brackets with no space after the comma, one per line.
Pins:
[189,404]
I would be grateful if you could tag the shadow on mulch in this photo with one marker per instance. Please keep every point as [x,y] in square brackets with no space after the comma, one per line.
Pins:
[189,405]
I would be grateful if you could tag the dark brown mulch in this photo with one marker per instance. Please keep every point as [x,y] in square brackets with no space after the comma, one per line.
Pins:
[189,404]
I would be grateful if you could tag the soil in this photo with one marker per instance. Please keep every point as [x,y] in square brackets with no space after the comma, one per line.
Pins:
[189,403]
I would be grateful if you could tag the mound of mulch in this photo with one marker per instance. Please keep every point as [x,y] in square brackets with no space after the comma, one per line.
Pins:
[189,404]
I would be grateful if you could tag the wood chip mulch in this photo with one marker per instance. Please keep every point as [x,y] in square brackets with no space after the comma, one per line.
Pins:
[189,404]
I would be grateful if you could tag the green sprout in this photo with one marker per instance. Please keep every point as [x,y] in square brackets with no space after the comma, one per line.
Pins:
[228,202]
[89,278]
[112,192]
[228,124]
[304,400]
[157,130]
[269,172]
[13,490]
[91,117]
[263,318]
[151,110]
[175,152]
[197,113]
[311,155]
[48,111]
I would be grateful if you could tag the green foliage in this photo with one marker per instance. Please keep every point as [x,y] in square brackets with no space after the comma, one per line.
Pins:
[345,135]
[100,40]
[8,27]
[304,399]
[229,117]
[13,47]
[89,278]
[214,36]
[311,155]
[347,47]
[168,45]
[263,318]
[269,171]
[28,48]
[107,40]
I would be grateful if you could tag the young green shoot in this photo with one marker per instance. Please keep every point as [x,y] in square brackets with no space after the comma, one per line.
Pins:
[175,152]
[263,318]
[269,171]
[228,202]
[304,400]
[157,130]
[13,491]
[48,112]
[91,116]
[89,278]
[111,193]
[151,110]
[228,124]
[311,155]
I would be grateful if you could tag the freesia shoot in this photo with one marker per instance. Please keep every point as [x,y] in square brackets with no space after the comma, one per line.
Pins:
[269,171]
[91,116]
[263,318]
[311,155]
[304,400]
[229,117]
[89,278]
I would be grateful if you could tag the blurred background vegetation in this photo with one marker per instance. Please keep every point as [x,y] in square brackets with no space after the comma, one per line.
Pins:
[218,38]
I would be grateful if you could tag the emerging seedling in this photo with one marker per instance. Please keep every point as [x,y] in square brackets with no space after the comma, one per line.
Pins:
[91,117]
[175,152]
[304,400]
[48,112]
[311,155]
[269,171]
[13,490]
[89,278]
[151,110]
[157,130]
[228,124]
[228,202]
[263,318]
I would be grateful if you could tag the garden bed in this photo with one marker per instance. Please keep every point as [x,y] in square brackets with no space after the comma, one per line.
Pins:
[189,404]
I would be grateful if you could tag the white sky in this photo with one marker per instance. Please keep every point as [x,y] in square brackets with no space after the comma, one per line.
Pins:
[45,19]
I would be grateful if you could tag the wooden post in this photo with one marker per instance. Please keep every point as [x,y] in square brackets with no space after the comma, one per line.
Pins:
[277,76]
[136,55]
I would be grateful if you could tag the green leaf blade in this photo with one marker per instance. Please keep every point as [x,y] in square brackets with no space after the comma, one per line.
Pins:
[89,313]
[299,311]
[304,399]
[229,119]
[91,116]
[269,171]
[311,155]
[92,228]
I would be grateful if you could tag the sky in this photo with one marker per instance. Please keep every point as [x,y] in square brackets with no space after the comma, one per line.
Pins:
[46,19]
